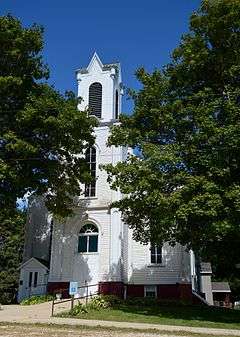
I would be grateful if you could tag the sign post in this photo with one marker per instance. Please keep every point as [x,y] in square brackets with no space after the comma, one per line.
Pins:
[73,290]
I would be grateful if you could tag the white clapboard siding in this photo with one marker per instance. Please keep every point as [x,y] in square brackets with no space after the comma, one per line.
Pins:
[169,272]
[37,230]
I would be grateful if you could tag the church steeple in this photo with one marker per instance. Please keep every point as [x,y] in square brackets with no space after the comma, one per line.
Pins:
[99,86]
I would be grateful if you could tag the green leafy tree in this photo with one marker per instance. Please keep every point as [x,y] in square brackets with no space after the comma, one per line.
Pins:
[11,247]
[42,133]
[224,255]
[184,184]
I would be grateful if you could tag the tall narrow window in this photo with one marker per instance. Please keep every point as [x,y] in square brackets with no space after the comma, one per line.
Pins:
[156,254]
[95,99]
[30,279]
[35,279]
[90,189]
[116,105]
[88,239]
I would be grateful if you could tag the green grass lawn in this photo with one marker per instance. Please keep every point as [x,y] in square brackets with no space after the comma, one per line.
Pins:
[173,315]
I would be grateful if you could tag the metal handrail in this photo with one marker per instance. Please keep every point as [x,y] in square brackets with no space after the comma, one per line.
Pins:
[72,299]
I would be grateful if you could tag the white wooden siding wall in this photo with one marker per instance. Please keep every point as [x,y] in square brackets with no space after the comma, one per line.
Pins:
[185,269]
[33,266]
[24,289]
[102,219]
[96,74]
[125,252]
[116,267]
[105,155]
[37,230]
[169,272]
[56,251]
[61,268]
[67,264]
[66,261]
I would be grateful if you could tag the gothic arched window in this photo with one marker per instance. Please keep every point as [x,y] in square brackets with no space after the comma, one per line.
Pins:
[90,189]
[116,104]
[88,239]
[95,99]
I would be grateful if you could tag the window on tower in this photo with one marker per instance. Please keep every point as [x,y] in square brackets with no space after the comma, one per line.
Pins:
[90,189]
[95,99]
[116,105]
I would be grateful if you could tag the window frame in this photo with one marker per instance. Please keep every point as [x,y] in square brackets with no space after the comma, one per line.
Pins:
[95,95]
[88,234]
[158,256]
[154,287]
[30,277]
[35,280]
[116,104]
[90,188]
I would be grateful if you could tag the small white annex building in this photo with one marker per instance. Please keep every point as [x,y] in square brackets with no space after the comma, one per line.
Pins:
[33,277]
[95,246]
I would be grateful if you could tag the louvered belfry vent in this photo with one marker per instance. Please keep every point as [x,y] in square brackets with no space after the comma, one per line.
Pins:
[95,99]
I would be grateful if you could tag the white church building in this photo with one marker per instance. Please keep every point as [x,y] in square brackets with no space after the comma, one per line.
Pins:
[94,246]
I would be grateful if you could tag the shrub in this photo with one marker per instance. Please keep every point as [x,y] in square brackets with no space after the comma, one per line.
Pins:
[78,309]
[37,299]
[113,299]
[103,302]
[7,297]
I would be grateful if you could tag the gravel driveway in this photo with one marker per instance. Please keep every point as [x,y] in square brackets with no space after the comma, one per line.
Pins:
[37,331]
[9,330]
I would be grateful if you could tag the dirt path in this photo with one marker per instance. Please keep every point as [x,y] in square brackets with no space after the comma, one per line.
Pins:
[37,311]
[36,331]
[41,314]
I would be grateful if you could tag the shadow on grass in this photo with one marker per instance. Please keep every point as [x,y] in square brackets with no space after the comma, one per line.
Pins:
[186,313]
[193,316]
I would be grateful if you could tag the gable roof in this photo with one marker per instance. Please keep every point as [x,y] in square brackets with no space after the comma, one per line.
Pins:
[221,287]
[41,262]
[97,59]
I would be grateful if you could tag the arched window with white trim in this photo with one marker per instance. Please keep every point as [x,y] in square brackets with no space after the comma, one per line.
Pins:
[88,239]
[90,189]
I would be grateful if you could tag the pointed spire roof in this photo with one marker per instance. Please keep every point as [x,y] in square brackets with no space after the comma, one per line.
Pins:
[96,59]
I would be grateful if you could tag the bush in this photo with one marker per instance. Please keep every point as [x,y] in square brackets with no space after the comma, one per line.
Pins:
[96,303]
[113,299]
[37,299]
[78,309]
[7,297]
[103,302]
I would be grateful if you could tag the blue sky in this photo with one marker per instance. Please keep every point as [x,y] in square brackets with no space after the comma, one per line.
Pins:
[134,32]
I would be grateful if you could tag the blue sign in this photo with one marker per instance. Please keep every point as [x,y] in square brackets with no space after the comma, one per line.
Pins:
[73,288]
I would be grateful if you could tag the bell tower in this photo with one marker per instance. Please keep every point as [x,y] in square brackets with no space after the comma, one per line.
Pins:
[100,87]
